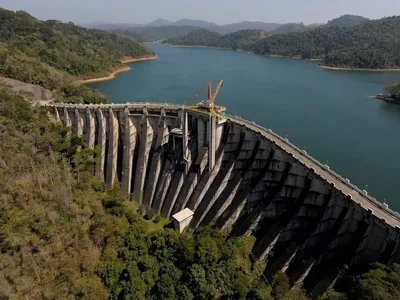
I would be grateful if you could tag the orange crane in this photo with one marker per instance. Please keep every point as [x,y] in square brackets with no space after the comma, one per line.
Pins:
[208,105]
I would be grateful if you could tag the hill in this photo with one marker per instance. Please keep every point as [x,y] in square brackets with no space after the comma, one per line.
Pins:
[156,33]
[347,21]
[315,25]
[201,37]
[230,28]
[100,25]
[370,45]
[51,53]
[160,22]
[290,27]
[132,34]
[243,39]
[195,23]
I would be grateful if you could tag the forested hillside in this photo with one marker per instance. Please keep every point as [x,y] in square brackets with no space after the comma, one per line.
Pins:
[371,45]
[52,54]
[156,33]
[243,39]
[290,27]
[347,21]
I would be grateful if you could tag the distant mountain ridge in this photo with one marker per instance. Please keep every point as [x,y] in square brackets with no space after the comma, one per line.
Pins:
[162,29]
[155,33]
[239,40]
[223,29]
[290,27]
[347,21]
[160,22]
[194,23]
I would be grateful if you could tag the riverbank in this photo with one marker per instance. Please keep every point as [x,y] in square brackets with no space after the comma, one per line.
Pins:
[132,60]
[386,98]
[293,57]
[126,60]
[358,69]
[202,47]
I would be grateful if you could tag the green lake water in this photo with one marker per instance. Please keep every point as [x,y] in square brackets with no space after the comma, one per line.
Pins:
[326,112]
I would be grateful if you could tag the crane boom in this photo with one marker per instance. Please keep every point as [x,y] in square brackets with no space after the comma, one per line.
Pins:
[197,95]
[210,94]
[208,105]
[220,84]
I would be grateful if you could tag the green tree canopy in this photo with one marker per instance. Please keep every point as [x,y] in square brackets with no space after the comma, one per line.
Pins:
[393,89]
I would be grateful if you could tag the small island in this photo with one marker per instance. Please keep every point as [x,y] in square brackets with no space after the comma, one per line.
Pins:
[392,93]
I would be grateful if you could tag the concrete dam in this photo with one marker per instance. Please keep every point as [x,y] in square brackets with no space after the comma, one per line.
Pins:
[233,174]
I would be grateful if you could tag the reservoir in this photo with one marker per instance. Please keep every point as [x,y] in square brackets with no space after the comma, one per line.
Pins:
[328,113]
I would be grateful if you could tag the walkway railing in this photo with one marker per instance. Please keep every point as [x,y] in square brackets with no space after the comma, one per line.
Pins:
[326,168]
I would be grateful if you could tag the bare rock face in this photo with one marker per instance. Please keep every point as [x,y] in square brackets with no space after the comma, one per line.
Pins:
[33,92]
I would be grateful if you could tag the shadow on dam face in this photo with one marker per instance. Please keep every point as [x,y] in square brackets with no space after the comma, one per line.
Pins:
[235,175]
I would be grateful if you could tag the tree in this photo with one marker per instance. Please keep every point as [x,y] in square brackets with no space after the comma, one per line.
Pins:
[381,282]
[280,286]
[333,295]
[393,89]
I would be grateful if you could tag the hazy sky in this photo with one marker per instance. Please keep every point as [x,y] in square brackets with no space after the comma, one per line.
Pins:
[218,11]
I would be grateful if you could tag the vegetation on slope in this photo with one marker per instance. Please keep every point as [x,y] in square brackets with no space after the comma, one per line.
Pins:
[52,54]
[290,27]
[201,37]
[31,48]
[156,33]
[371,45]
[347,21]
[393,89]
[243,39]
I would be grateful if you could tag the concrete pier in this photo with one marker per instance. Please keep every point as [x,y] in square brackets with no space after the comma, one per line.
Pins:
[112,149]
[101,143]
[130,135]
[90,128]
[233,174]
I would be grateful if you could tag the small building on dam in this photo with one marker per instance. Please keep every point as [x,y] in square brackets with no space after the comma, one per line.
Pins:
[233,174]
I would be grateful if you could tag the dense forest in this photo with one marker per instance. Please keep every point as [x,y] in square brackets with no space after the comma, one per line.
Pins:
[290,27]
[347,21]
[243,39]
[162,29]
[63,235]
[53,54]
[393,89]
[370,45]
[156,33]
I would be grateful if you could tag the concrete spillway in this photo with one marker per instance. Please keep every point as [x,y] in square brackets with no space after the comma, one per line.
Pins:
[309,222]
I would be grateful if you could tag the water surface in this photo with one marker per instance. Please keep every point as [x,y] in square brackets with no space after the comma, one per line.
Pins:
[327,112]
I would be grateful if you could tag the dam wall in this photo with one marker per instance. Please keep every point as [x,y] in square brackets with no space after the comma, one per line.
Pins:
[235,175]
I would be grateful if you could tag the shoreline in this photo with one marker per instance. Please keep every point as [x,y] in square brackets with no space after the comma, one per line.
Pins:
[132,60]
[293,57]
[202,47]
[117,71]
[358,69]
